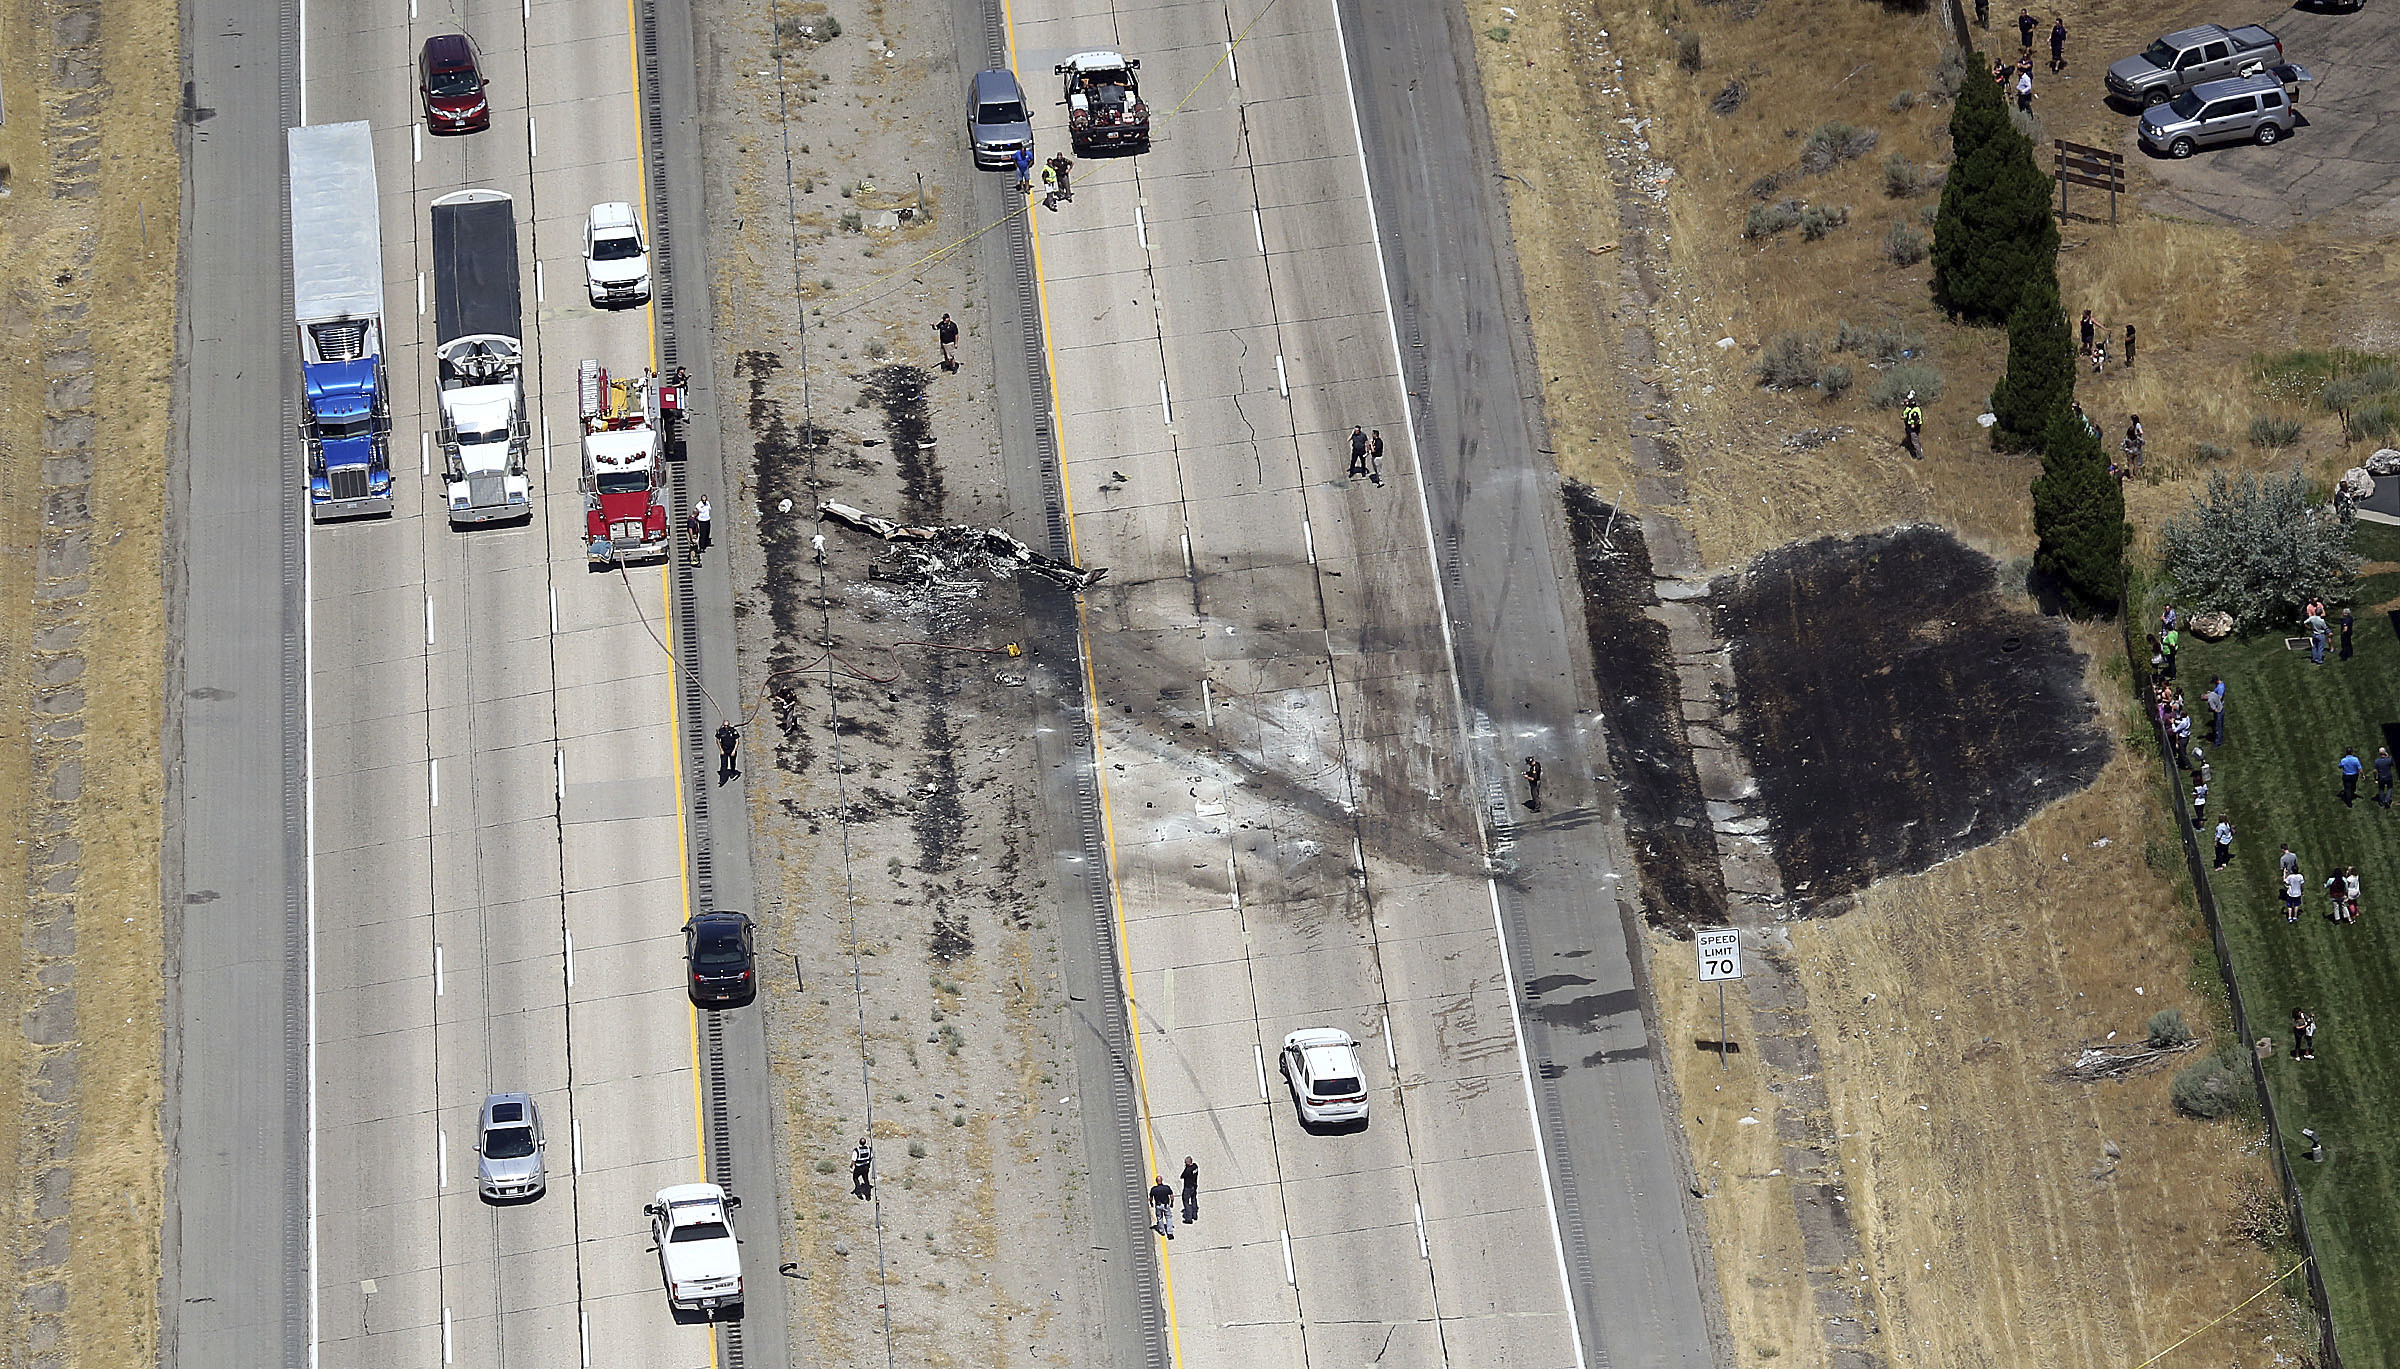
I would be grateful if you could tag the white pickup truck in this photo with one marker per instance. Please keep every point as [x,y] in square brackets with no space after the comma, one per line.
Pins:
[697,1251]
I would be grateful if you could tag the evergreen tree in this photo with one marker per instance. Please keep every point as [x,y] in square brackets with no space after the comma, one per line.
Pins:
[2040,381]
[1994,232]
[2079,519]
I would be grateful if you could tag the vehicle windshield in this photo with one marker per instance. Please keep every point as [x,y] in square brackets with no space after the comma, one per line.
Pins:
[718,946]
[1109,76]
[2160,55]
[2187,104]
[1335,1087]
[480,439]
[332,428]
[623,247]
[701,1231]
[620,482]
[453,83]
[1004,112]
[508,1143]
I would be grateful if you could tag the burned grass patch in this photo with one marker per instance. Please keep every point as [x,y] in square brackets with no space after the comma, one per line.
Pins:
[1897,710]
[1666,817]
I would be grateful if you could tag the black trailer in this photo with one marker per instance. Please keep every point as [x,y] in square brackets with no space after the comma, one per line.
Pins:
[475,283]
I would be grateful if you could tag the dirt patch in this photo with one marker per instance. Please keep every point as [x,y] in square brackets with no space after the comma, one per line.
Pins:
[890,832]
[1666,818]
[1897,709]
[87,303]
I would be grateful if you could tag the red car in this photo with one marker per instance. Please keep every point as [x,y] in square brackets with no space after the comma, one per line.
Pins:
[451,82]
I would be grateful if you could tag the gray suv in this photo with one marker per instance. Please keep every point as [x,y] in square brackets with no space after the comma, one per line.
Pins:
[998,123]
[508,1148]
[2241,110]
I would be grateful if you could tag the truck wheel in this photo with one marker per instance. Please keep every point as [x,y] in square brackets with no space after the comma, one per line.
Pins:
[2180,148]
[2267,134]
[2153,97]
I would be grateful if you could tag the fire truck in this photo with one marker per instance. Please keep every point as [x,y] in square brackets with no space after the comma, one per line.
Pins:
[627,425]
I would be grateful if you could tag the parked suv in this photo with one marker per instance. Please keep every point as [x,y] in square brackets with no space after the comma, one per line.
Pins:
[722,957]
[450,81]
[997,121]
[616,262]
[2238,111]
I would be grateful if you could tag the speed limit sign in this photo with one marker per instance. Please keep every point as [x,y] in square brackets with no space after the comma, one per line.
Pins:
[1720,954]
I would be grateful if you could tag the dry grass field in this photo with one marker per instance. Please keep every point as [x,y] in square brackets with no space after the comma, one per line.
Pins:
[2005,1218]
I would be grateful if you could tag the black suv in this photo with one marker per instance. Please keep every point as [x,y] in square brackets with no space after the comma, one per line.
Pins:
[719,948]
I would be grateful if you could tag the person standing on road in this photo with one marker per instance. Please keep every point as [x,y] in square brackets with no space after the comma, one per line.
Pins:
[1050,185]
[700,529]
[2058,44]
[729,741]
[1358,451]
[1063,168]
[1533,784]
[2291,892]
[1024,160]
[862,1170]
[2383,776]
[2350,767]
[2224,844]
[947,332]
[2346,623]
[1191,1190]
[1375,458]
[1162,1208]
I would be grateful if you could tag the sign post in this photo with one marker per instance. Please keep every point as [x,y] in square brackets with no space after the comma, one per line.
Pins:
[2093,166]
[1720,950]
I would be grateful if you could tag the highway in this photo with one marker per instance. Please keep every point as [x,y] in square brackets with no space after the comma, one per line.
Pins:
[437,808]
[488,881]
[1308,746]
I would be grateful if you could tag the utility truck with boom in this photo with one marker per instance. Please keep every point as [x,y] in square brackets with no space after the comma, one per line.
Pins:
[481,361]
[626,427]
[337,305]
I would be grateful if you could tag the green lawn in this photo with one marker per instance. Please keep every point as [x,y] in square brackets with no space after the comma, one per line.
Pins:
[2287,722]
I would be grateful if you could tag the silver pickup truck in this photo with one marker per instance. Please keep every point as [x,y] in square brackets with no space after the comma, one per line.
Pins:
[2181,60]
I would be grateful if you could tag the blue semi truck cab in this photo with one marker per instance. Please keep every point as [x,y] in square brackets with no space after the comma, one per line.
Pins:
[337,303]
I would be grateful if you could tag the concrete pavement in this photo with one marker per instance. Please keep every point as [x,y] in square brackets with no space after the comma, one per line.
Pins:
[1293,826]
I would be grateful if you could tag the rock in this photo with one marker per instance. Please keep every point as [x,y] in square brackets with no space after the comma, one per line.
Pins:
[2357,485]
[2384,462]
[2211,627]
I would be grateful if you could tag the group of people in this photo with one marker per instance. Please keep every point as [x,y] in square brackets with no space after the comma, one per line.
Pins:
[1162,1200]
[1366,454]
[2313,618]
[1057,174]
[2095,344]
[2023,70]
[2340,889]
